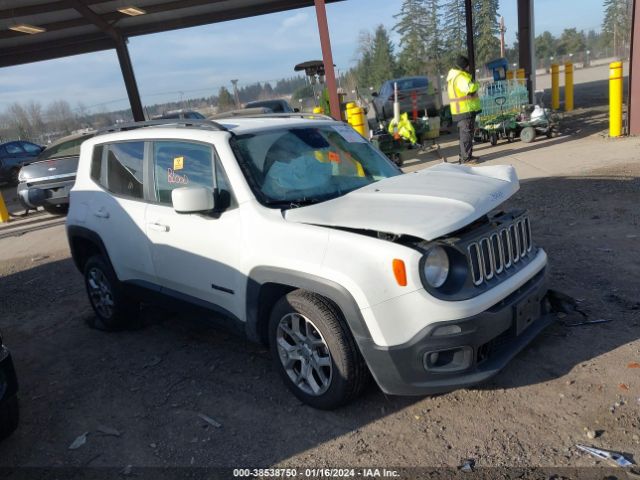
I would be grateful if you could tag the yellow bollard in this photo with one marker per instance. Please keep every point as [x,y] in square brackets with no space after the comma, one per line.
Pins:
[318,110]
[509,74]
[568,87]
[615,99]
[356,118]
[521,76]
[4,213]
[555,86]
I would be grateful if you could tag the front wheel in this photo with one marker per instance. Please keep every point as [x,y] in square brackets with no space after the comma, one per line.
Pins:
[314,351]
[113,309]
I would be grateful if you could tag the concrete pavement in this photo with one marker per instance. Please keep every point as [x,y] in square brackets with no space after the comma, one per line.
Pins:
[582,146]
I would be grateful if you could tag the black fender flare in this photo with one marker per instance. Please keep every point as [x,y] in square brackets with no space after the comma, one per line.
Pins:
[75,231]
[335,292]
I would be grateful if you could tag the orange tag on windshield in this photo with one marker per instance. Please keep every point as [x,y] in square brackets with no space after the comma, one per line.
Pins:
[334,157]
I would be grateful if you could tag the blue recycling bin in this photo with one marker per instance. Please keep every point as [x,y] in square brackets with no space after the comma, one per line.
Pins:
[499,68]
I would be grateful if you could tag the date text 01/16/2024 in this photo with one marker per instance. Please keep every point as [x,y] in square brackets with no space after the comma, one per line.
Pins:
[315,473]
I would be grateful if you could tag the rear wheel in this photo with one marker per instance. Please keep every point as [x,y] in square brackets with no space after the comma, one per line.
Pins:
[314,351]
[9,417]
[528,134]
[493,138]
[113,309]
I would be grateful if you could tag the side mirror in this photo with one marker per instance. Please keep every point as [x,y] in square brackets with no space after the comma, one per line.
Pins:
[374,94]
[192,199]
[296,110]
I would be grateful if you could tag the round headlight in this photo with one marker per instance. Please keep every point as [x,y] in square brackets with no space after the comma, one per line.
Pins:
[436,267]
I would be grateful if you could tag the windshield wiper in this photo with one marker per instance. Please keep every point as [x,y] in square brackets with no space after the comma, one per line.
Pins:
[295,203]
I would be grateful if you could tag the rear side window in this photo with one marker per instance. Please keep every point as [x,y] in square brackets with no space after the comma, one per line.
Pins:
[118,168]
[13,149]
[31,148]
[180,164]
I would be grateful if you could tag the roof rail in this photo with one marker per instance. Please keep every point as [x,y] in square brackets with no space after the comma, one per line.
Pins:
[311,116]
[180,122]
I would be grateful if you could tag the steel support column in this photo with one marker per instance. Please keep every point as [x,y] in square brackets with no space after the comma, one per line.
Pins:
[471,51]
[130,80]
[634,73]
[526,41]
[327,58]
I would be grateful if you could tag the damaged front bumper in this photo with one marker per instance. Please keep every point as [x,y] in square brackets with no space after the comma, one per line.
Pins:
[455,354]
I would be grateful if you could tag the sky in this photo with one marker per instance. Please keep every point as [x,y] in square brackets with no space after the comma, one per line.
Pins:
[196,62]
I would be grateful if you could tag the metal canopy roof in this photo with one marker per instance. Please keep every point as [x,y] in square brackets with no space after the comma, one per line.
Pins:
[82,26]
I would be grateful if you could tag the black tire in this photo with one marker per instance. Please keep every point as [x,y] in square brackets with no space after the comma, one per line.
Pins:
[14,177]
[62,209]
[528,134]
[124,310]
[349,373]
[9,417]
[493,138]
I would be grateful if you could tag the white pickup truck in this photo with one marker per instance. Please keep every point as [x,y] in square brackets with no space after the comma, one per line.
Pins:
[310,240]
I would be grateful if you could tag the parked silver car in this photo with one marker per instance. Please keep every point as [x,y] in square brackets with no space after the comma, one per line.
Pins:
[46,182]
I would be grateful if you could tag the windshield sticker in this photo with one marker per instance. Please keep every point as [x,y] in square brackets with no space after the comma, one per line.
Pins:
[334,157]
[173,177]
[349,134]
[178,163]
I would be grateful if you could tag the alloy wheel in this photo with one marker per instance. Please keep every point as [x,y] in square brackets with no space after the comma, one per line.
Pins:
[100,292]
[304,354]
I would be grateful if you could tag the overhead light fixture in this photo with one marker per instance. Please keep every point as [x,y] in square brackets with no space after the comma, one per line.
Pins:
[26,28]
[132,11]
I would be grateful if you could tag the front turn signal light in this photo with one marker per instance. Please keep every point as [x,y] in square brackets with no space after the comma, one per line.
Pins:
[400,272]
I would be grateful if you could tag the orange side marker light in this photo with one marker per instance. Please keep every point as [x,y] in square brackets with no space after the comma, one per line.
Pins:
[400,272]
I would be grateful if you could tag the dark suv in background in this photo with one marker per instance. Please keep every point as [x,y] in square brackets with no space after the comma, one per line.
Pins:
[426,97]
[13,155]
[46,182]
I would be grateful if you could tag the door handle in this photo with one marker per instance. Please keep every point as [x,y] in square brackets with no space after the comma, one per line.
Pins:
[101,213]
[158,227]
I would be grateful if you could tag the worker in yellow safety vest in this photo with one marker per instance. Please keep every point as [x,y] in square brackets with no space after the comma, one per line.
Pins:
[465,105]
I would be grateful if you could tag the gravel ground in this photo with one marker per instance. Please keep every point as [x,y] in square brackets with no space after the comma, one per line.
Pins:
[151,384]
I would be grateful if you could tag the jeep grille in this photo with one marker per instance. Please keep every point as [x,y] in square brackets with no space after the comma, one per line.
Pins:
[502,249]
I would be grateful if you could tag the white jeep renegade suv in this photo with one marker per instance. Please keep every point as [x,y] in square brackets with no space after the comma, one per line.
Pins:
[313,242]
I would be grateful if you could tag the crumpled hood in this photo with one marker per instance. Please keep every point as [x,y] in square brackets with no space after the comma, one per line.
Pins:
[427,204]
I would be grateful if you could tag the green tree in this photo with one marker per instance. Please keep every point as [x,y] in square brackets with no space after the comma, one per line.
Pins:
[362,71]
[383,63]
[571,42]
[616,27]
[225,100]
[434,43]
[487,31]
[412,27]
[454,28]
[302,93]
[546,46]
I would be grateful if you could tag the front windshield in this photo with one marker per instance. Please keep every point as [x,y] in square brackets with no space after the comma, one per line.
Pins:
[310,164]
